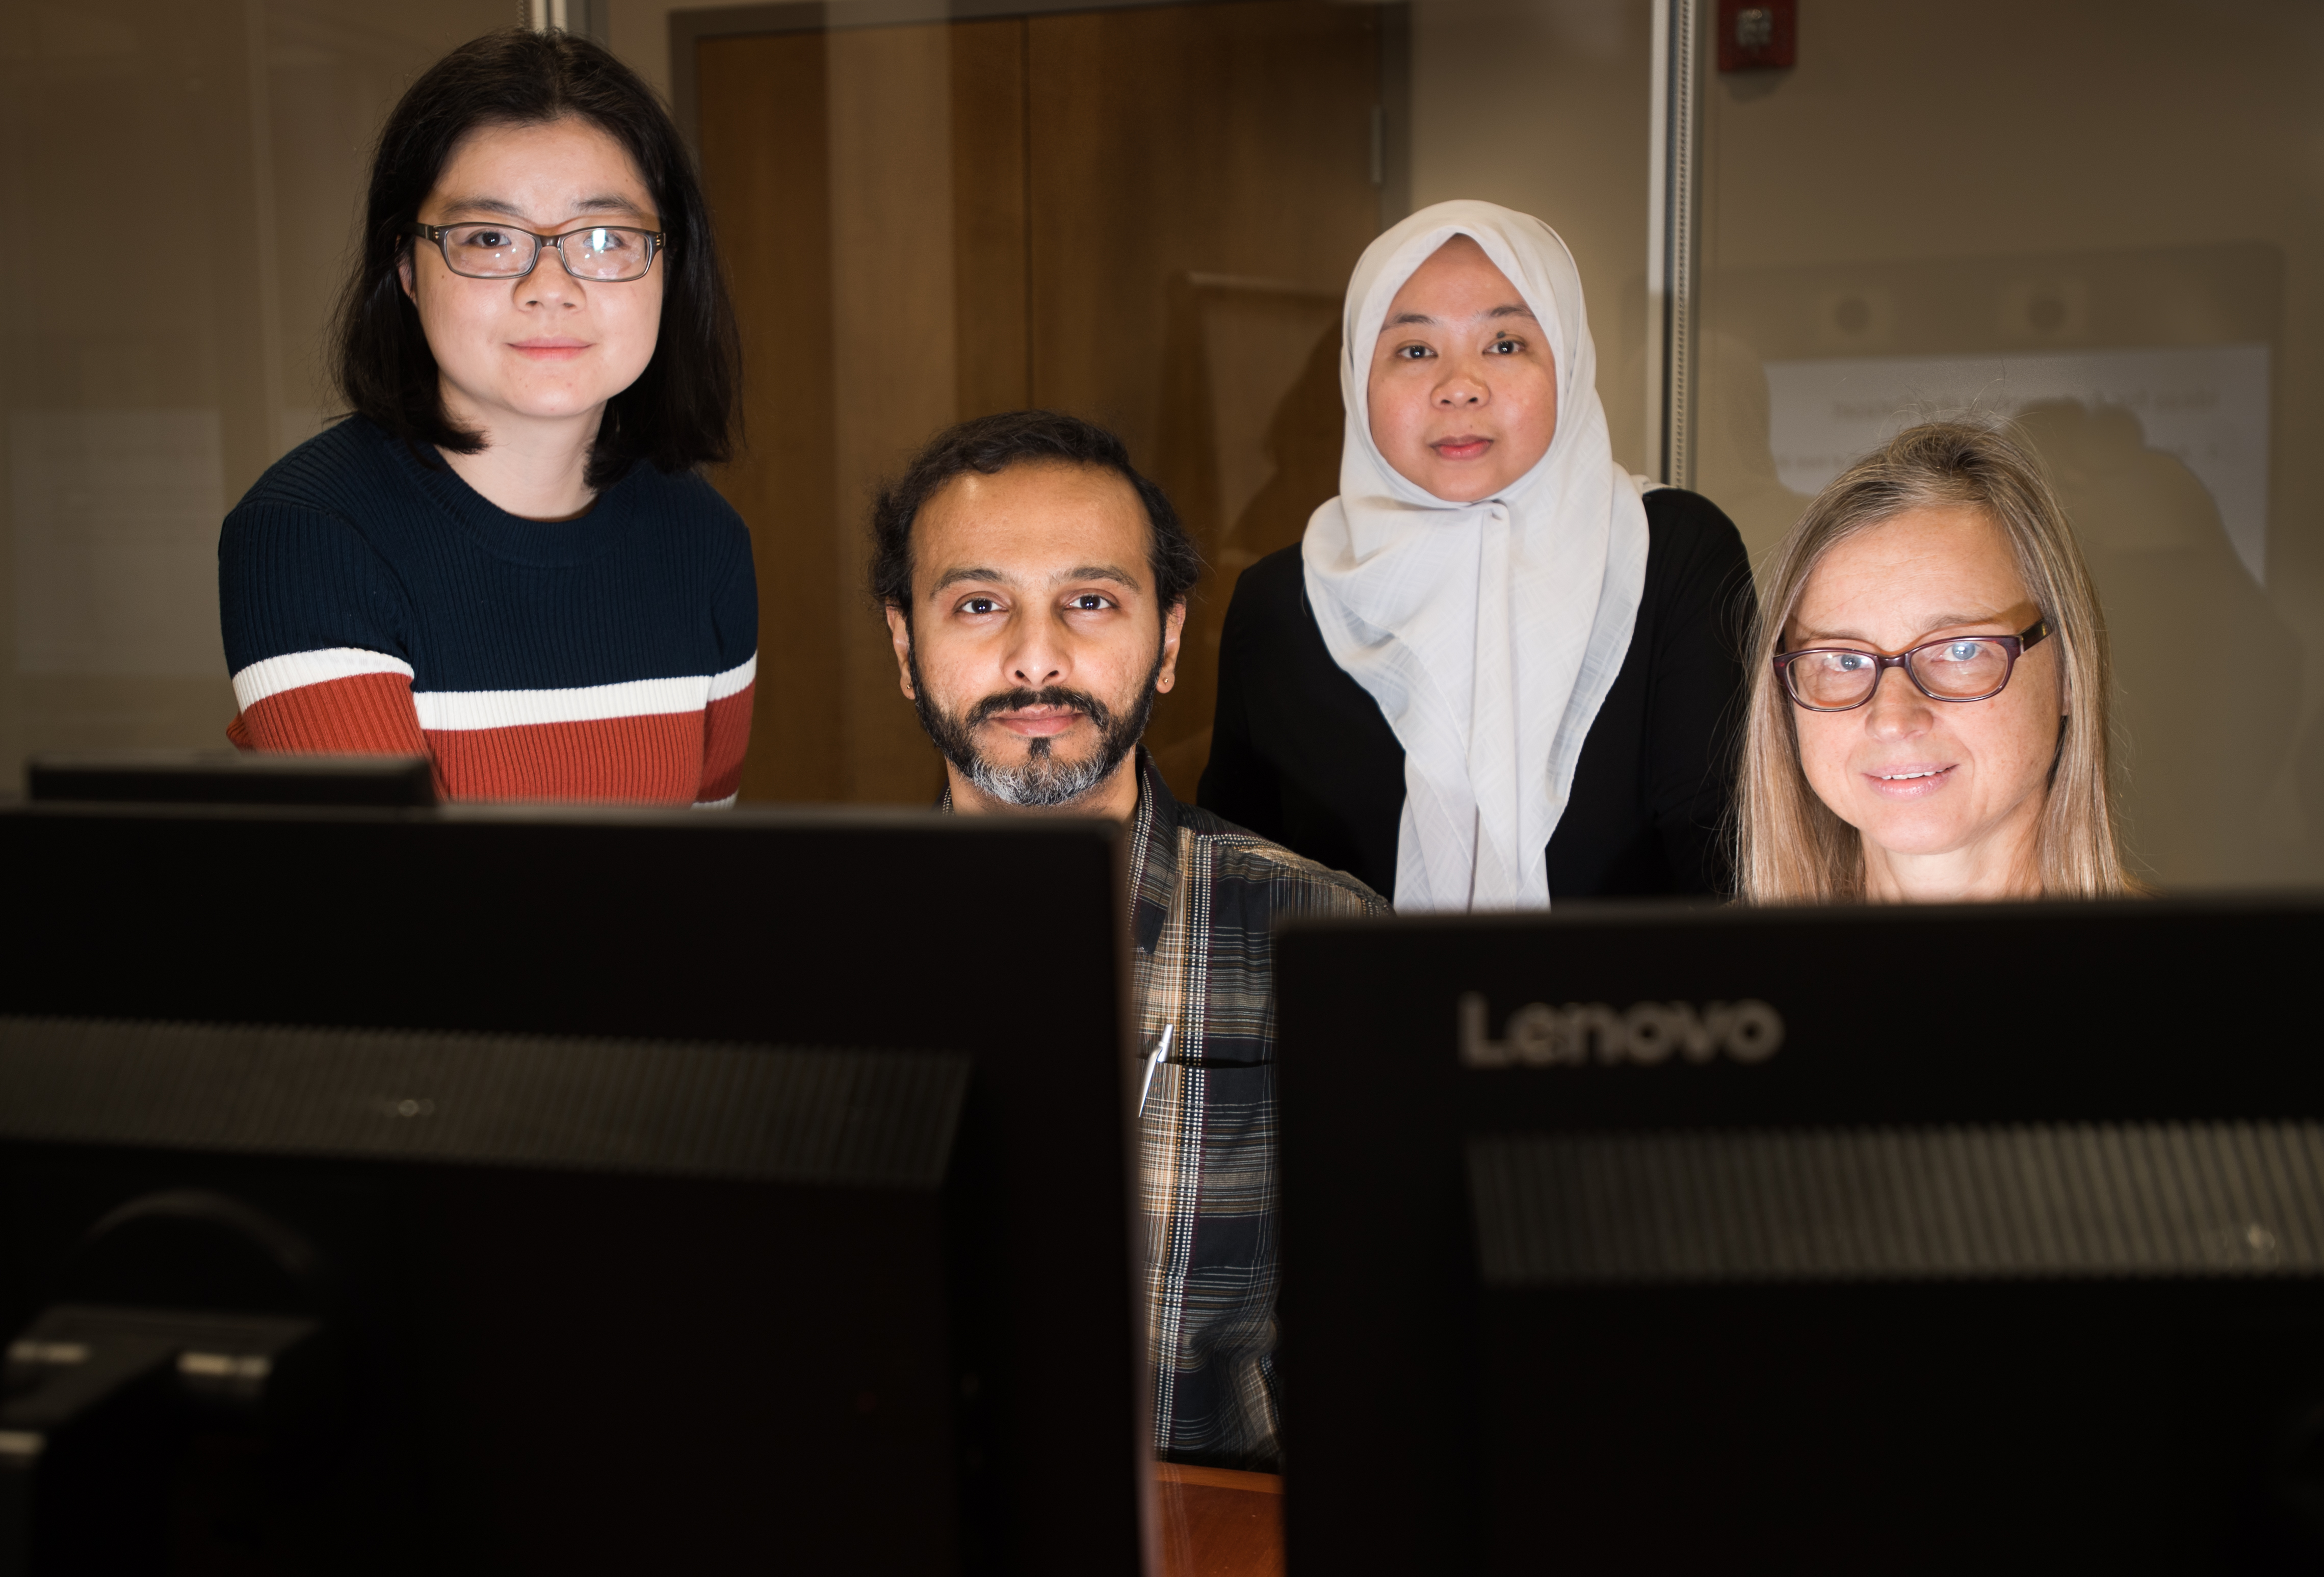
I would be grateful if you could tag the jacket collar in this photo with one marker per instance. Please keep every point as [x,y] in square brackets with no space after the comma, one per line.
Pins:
[1153,855]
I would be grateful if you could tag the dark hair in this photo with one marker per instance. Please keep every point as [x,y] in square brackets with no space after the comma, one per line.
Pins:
[992,444]
[680,410]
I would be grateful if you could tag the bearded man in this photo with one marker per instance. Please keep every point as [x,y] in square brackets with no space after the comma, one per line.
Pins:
[1036,586]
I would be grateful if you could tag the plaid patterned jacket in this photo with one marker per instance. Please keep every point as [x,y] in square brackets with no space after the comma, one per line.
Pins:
[1205,896]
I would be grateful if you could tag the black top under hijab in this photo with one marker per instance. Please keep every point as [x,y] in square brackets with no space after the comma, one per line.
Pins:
[1300,753]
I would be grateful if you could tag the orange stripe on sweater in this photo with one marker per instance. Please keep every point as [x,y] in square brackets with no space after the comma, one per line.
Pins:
[363,714]
[728,728]
[655,760]
[664,759]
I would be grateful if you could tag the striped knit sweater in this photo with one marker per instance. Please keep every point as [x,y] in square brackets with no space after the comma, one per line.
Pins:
[375,604]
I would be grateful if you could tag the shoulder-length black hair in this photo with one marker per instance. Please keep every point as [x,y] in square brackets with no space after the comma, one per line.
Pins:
[680,411]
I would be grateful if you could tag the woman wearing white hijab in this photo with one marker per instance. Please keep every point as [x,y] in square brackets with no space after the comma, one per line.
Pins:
[1494,672]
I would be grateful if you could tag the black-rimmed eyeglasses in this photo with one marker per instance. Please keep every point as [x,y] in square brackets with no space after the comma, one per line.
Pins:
[1959,668]
[605,254]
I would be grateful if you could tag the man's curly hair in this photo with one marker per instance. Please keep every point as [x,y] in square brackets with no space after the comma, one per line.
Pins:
[990,444]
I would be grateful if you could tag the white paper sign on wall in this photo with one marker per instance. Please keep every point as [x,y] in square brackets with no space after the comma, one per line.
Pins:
[2207,405]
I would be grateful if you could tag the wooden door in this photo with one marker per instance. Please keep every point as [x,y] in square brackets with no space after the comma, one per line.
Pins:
[1143,217]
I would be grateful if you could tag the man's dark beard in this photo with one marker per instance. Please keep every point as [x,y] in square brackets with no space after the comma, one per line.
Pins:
[1042,781]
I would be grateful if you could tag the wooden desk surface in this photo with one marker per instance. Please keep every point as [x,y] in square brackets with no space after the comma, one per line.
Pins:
[1219,1524]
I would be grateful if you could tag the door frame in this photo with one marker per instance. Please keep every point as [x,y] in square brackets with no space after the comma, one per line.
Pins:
[1674,238]
[1392,119]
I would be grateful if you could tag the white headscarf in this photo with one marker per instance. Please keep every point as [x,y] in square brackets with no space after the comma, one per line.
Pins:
[1489,633]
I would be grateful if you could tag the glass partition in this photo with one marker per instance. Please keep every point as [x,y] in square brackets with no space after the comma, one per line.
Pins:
[2106,221]
[1145,215]
[190,170]
[2110,228]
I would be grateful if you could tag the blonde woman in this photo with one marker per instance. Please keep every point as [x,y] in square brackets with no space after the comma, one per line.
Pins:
[1929,680]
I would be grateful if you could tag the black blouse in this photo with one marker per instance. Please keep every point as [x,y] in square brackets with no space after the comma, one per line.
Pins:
[1300,753]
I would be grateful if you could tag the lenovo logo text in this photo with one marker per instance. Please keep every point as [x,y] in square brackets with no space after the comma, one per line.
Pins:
[1540,1036]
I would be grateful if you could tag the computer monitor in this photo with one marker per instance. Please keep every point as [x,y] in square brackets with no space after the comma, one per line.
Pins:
[562,1191]
[1817,1240]
[181,777]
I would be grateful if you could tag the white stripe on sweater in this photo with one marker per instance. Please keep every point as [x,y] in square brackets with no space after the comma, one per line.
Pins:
[735,680]
[297,669]
[461,711]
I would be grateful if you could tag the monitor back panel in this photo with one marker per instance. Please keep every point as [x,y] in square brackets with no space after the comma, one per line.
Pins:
[1818,1240]
[863,932]
[538,1368]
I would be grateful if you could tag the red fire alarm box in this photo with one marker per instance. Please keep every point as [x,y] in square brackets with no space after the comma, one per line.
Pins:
[1758,35]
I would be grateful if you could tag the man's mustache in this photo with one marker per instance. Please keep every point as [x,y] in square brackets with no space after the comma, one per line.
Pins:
[1080,701]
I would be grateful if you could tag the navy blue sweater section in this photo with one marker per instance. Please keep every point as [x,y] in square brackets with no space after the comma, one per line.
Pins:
[352,539]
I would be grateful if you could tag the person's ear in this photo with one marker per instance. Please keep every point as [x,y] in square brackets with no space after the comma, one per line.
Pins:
[1174,625]
[900,634]
[403,266]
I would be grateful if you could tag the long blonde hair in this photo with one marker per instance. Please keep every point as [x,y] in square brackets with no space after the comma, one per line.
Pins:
[1790,848]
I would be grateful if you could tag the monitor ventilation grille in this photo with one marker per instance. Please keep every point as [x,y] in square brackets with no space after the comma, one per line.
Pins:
[2129,1199]
[680,1108]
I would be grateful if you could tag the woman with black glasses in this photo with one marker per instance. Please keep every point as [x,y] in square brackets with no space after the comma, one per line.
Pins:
[1928,718]
[503,558]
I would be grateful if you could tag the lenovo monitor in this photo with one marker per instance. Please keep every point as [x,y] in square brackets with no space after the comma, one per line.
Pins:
[1910,1239]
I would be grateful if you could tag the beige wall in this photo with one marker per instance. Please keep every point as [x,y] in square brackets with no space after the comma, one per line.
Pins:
[2107,178]
[1543,106]
[195,165]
